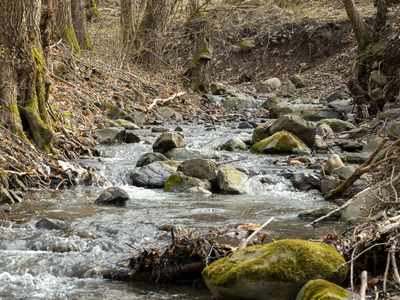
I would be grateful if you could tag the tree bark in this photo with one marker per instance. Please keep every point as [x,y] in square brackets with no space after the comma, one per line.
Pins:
[79,23]
[64,25]
[91,10]
[360,31]
[152,28]
[24,82]
[198,70]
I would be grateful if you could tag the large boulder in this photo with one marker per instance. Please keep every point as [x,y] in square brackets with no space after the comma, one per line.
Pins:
[278,269]
[151,176]
[233,181]
[337,125]
[199,168]
[281,109]
[234,144]
[179,183]
[149,158]
[282,142]
[113,196]
[167,141]
[320,289]
[261,132]
[287,89]
[303,129]
[116,135]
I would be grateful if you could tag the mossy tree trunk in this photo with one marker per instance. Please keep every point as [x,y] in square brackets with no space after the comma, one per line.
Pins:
[91,10]
[198,71]
[152,29]
[78,14]
[24,83]
[64,25]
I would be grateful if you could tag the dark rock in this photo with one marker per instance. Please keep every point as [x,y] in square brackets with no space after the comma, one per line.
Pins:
[132,137]
[117,113]
[52,224]
[178,129]
[117,135]
[245,125]
[149,158]
[113,196]
[303,181]
[352,146]
[315,213]
[169,140]
[329,183]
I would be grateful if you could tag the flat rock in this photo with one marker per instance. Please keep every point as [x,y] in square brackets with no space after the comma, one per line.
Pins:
[150,176]
[318,212]
[337,125]
[199,168]
[52,224]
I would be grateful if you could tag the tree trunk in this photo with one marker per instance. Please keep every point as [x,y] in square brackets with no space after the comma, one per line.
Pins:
[360,31]
[152,29]
[91,10]
[198,71]
[79,24]
[24,83]
[64,25]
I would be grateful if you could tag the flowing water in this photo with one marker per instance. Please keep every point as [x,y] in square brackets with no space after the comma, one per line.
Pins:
[47,264]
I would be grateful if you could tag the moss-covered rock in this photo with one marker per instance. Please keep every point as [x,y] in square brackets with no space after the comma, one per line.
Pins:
[320,289]
[181,183]
[282,142]
[278,269]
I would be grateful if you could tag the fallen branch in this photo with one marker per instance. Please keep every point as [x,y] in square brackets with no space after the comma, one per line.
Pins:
[165,100]
[364,168]
[364,284]
[337,209]
[244,242]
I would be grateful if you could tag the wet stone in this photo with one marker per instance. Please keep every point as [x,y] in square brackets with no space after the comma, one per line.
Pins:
[159,129]
[113,196]
[52,224]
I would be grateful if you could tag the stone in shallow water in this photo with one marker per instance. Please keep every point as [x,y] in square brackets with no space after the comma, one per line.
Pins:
[113,196]
[323,289]
[51,224]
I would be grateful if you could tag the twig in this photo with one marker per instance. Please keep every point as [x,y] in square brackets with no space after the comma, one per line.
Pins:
[394,264]
[337,209]
[165,100]
[226,162]
[351,272]
[361,253]
[386,273]
[244,243]
[364,284]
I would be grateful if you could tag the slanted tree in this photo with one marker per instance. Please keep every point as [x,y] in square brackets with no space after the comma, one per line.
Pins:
[24,82]
[79,20]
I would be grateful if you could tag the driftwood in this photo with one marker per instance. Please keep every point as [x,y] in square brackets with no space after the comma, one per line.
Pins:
[182,261]
[364,168]
[244,242]
[165,100]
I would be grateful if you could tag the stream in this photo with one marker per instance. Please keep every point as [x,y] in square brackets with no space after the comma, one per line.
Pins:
[47,264]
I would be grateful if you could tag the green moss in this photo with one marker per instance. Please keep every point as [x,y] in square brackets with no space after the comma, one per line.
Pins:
[4,174]
[285,260]
[194,63]
[39,62]
[89,43]
[286,142]
[244,43]
[94,9]
[11,107]
[69,34]
[196,85]
[173,180]
[321,289]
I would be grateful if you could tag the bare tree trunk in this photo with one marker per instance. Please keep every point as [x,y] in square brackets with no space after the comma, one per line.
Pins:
[79,24]
[198,71]
[64,25]
[380,16]
[152,29]
[24,83]
[360,31]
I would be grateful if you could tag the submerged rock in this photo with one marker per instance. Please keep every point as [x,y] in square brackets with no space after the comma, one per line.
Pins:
[113,196]
[51,224]
[320,289]
[315,213]
[278,269]
[282,142]
[181,154]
